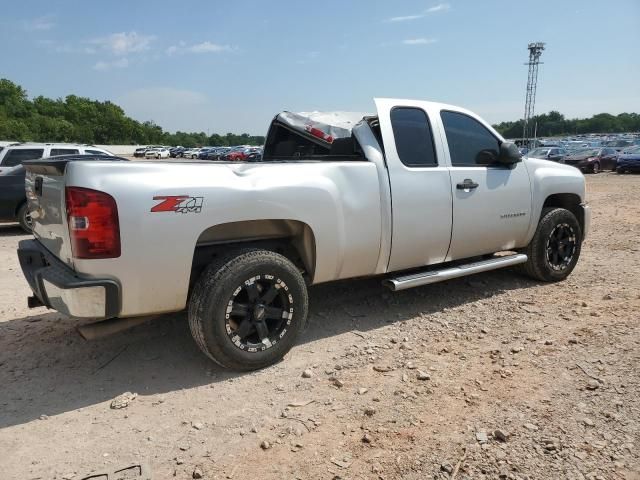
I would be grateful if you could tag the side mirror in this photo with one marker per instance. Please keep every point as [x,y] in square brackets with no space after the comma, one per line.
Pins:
[509,154]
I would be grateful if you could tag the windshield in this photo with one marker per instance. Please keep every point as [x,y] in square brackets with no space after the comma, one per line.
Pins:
[632,150]
[539,152]
[587,152]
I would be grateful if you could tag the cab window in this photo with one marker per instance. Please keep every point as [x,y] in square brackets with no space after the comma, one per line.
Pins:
[413,137]
[470,143]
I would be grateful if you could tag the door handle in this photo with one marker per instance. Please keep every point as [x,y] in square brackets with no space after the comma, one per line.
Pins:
[467,184]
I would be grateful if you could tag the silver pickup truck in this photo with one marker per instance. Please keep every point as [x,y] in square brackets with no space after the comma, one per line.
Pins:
[417,193]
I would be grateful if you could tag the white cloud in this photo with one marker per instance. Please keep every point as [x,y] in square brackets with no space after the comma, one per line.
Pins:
[40,24]
[405,18]
[123,43]
[204,47]
[441,7]
[419,41]
[106,65]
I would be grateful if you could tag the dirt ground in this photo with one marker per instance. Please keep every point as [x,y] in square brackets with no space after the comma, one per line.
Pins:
[493,376]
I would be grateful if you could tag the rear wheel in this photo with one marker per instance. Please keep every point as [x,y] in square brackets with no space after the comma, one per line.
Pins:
[247,309]
[555,247]
[24,218]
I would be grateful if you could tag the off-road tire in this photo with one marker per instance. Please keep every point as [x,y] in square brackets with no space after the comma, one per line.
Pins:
[537,265]
[212,294]
[23,218]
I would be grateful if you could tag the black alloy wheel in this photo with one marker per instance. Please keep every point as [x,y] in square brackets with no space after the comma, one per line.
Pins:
[247,308]
[259,313]
[561,247]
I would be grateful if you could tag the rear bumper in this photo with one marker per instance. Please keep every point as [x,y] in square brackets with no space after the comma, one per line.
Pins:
[57,286]
[586,214]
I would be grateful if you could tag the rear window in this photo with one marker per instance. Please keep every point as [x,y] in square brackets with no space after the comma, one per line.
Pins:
[63,151]
[18,155]
[412,133]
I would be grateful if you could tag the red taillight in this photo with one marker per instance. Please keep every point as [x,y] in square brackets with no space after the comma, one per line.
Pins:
[93,223]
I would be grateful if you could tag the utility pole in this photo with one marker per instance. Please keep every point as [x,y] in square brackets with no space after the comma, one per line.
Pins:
[535,51]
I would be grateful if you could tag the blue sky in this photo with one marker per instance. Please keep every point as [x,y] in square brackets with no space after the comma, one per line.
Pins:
[223,66]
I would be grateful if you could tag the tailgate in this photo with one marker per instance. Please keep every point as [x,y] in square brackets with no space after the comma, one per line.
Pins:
[44,184]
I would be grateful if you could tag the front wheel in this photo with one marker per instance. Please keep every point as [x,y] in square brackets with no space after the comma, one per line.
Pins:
[555,248]
[595,168]
[247,309]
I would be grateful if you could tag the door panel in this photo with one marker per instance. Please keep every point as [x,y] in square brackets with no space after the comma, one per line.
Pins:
[491,202]
[421,197]
[494,216]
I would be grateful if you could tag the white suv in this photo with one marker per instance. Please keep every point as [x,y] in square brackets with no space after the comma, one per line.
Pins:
[13,155]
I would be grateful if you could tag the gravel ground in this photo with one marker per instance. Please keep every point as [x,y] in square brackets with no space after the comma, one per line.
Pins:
[493,376]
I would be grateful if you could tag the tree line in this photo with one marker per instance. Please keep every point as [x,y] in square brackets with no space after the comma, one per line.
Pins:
[82,120]
[555,124]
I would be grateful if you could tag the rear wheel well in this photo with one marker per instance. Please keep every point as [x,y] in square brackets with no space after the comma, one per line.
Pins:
[290,238]
[568,201]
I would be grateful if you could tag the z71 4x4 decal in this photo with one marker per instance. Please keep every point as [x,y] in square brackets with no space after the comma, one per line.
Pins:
[178,204]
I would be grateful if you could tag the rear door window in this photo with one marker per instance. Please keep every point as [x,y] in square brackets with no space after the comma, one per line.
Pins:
[63,151]
[16,156]
[413,137]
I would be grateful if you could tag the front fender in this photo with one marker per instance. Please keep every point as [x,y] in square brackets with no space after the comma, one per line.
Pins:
[551,178]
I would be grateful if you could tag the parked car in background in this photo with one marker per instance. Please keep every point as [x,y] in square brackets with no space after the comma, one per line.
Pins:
[13,155]
[237,154]
[555,154]
[202,155]
[191,153]
[618,145]
[13,199]
[254,155]
[139,152]
[629,161]
[593,160]
[216,153]
[176,152]
[157,153]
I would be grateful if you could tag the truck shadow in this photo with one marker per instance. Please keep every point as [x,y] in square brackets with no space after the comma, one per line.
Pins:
[11,230]
[46,368]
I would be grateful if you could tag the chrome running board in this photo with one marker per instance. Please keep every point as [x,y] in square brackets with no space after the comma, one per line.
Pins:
[434,276]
